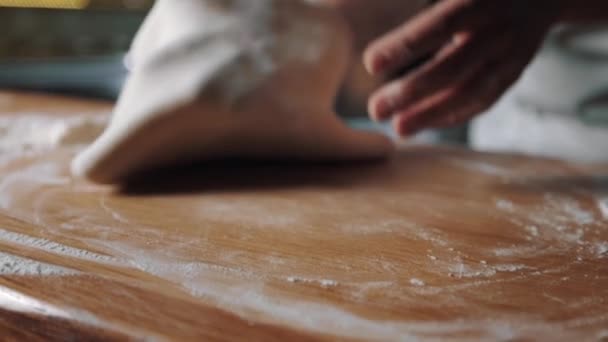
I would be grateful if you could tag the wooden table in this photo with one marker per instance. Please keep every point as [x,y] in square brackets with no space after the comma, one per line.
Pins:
[435,244]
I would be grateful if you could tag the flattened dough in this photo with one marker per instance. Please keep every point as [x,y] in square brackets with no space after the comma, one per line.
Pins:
[230,78]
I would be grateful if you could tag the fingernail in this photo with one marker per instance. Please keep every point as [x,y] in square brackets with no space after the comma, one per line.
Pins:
[405,129]
[377,63]
[380,109]
[380,64]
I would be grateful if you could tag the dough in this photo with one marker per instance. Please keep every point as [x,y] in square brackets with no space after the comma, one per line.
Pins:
[230,79]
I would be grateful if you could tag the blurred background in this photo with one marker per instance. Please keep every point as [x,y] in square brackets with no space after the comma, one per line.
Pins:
[559,108]
[73,46]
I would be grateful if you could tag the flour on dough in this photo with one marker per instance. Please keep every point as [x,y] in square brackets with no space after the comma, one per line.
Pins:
[230,78]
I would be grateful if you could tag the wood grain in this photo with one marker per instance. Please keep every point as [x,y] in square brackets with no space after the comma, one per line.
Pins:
[436,244]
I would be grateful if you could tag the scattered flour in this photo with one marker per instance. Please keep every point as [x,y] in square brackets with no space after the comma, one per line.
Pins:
[483,270]
[328,283]
[39,131]
[527,250]
[187,270]
[30,178]
[417,282]
[559,218]
[561,212]
[11,265]
[482,167]
[323,318]
[54,247]
[601,249]
[571,209]
[251,213]
[115,215]
[602,204]
[325,283]
[505,205]
[533,230]
[250,298]
[509,268]
[558,211]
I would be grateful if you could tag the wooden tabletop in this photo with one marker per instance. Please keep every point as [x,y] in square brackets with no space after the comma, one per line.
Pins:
[436,244]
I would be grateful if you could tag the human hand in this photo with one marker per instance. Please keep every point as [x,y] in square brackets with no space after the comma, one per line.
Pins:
[367,20]
[478,48]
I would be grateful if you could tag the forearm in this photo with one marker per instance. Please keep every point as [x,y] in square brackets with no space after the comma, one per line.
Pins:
[583,10]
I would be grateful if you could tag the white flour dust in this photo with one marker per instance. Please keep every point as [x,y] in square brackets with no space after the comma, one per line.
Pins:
[317,317]
[482,167]
[11,265]
[559,224]
[559,217]
[601,249]
[224,287]
[325,283]
[30,179]
[417,282]
[602,204]
[41,132]
[54,247]
[483,269]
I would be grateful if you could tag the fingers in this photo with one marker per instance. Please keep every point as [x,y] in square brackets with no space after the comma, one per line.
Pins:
[452,64]
[455,63]
[431,109]
[424,34]
[477,54]
[460,102]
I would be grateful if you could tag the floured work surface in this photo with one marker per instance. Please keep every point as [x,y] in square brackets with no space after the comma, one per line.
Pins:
[436,244]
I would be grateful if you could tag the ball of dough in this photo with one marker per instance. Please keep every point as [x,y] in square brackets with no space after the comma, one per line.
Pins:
[230,79]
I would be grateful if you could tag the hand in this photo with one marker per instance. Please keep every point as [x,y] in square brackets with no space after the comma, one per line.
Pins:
[478,49]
